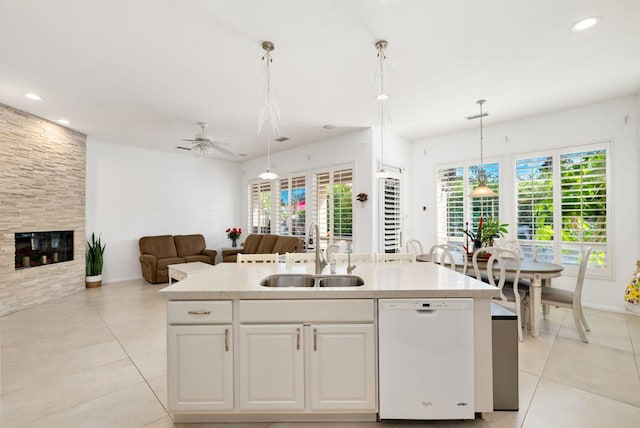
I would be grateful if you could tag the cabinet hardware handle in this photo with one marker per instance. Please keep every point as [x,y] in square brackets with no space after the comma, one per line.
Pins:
[199,312]
[315,339]
[226,339]
[297,339]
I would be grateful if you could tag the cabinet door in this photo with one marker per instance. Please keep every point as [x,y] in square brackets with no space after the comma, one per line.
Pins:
[343,374]
[200,367]
[271,367]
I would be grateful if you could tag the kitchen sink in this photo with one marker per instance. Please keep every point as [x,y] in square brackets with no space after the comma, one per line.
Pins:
[288,280]
[340,281]
[308,280]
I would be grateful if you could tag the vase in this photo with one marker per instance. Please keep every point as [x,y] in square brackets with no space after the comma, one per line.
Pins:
[234,242]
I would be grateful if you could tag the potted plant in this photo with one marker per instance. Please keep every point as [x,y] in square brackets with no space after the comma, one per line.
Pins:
[95,260]
[491,229]
[488,230]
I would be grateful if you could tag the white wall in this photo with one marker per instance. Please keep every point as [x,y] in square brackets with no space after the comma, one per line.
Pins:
[615,121]
[133,192]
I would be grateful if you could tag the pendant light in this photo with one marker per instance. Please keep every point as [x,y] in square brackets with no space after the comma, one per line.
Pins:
[382,97]
[270,112]
[481,190]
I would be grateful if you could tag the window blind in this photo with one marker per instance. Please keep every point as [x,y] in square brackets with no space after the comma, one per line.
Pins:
[391,211]
[583,188]
[333,204]
[291,209]
[260,207]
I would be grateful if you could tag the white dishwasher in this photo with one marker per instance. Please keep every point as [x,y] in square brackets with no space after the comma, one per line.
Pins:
[426,358]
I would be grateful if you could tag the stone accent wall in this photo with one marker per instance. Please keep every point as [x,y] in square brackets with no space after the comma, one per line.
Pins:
[42,188]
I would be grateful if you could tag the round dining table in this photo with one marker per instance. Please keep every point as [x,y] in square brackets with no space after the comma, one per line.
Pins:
[538,272]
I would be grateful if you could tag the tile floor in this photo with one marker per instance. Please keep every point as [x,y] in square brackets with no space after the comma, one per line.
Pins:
[98,359]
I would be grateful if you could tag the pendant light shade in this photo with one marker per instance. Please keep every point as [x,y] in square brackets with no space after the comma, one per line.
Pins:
[270,112]
[481,190]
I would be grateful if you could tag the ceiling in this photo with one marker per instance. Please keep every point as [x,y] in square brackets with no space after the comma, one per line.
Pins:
[143,72]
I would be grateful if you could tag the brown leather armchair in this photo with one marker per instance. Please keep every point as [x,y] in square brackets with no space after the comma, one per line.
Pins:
[157,252]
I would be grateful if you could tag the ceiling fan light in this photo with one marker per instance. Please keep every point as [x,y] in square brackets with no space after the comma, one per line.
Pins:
[268,175]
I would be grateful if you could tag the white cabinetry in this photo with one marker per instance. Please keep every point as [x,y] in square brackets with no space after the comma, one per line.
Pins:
[200,356]
[342,372]
[271,367]
[322,356]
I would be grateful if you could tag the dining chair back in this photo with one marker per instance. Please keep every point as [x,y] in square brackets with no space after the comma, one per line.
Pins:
[414,246]
[514,245]
[571,299]
[330,251]
[258,258]
[445,255]
[499,258]
[354,257]
[299,258]
[395,257]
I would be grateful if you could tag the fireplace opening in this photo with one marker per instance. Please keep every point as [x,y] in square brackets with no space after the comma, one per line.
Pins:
[43,248]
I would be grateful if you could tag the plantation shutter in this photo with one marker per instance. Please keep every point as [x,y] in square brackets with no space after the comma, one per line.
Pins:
[534,199]
[291,206]
[489,206]
[391,212]
[451,200]
[583,188]
[260,207]
[333,204]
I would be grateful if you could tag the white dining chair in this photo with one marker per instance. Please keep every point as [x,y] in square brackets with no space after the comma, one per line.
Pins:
[299,258]
[395,257]
[443,254]
[414,246]
[354,257]
[571,299]
[258,258]
[330,251]
[511,293]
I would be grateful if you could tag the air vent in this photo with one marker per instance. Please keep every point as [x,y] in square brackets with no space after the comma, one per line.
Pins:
[281,139]
[183,148]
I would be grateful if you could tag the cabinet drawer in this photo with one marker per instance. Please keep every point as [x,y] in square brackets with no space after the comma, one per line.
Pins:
[342,310]
[199,312]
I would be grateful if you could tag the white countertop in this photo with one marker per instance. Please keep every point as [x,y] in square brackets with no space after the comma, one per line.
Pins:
[381,280]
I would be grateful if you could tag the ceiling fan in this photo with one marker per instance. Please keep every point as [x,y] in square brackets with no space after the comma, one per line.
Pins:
[203,143]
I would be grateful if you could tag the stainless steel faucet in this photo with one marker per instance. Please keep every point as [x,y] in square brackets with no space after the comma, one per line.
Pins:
[320,261]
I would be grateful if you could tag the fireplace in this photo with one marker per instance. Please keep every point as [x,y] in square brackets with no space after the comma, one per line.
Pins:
[43,248]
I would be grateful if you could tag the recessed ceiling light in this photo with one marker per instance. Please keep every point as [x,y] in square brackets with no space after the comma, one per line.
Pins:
[585,24]
[33,96]
[63,121]
[382,97]
[329,126]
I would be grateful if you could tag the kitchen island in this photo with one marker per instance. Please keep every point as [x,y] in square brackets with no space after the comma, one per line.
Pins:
[240,351]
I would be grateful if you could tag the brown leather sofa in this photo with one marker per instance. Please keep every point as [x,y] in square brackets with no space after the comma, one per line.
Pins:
[156,252]
[265,244]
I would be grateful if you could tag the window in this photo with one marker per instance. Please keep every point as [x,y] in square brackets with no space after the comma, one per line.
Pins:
[291,209]
[260,207]
[391,212]
[562,207]
[456,210]
[333,204]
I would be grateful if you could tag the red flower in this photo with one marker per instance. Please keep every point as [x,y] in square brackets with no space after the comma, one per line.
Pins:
[233,233]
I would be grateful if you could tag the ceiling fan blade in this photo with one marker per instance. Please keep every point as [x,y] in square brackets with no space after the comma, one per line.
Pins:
[227,152]
[193,141]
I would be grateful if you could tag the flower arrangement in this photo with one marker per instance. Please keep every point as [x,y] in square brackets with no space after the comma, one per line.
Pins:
[233,233]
